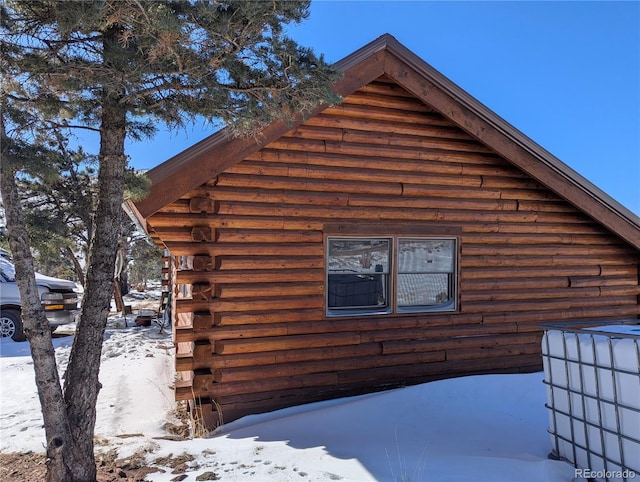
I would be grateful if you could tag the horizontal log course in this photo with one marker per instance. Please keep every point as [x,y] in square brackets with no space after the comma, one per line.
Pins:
[535,261]
[530,327]
[299,275]
[374,139]
[498,273]
[586,251]
[576,313]
[554,206]
[255,304]
[323,366]
[269,262]
[532,229]
[393,187]
[469,286]
[433,198]
[560,304]
[250,249]
[505,182]
[359,143]
[429,332]
[477,288]
[260,317]
[415,373]
[383,99]
[534,239]
[254,171]
[290,342]
[381,213]
[268,236]
[224,291]
[161,220]
[403,326]
[281,196]
[458,343]
[618,291]
[345,110]
[205,386]
[472,222]
[599,281]
[377,139]
[492,352]
[406,202]
[274,162]
[384,86]
[536,193]
[426,214]
[401,128]
[530,293]
[255,360]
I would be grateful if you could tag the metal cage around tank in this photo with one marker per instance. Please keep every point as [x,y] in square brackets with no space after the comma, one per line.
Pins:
[592,374]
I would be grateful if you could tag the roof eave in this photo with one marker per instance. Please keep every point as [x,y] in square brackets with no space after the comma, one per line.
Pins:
[386,55]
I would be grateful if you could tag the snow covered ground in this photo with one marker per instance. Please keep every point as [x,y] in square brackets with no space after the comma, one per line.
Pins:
[482,428]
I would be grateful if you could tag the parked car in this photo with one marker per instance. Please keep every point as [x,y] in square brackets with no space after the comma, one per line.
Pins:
[58,296]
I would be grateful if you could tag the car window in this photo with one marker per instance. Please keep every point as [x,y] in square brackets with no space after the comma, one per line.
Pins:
[8,271]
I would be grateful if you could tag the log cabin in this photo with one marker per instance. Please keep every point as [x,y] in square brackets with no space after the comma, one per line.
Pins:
[406,234]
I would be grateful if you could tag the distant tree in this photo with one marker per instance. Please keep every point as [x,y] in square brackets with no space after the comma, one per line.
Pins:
[117,67]
[59,205]
[145,262]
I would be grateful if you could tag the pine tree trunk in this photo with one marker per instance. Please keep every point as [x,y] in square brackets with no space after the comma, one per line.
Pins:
[36,327]
[81,381]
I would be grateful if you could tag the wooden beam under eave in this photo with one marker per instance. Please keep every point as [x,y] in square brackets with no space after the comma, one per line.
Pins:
[506,141]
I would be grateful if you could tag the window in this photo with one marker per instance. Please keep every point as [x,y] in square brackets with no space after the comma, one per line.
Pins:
[390,274]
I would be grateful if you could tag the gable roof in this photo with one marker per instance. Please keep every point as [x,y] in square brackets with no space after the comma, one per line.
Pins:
[386,56]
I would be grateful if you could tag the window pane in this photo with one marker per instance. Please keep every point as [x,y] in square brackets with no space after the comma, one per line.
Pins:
[358,256]
[426,255]
[423,289]
[358,273]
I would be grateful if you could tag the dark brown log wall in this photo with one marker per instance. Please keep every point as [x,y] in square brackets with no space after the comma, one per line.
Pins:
[251,328]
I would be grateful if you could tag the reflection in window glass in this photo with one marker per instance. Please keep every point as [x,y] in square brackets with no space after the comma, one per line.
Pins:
[358,274]
[359,255]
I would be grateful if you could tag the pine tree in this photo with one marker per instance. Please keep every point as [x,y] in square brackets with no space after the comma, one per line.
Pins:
[117,68]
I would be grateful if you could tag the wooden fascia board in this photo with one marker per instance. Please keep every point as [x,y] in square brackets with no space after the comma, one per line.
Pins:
[132,211]
[469,114]
[211,156]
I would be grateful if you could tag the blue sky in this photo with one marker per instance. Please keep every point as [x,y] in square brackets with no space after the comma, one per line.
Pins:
[567,74]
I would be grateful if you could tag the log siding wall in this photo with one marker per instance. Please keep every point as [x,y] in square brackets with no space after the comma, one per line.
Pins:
[250,324]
